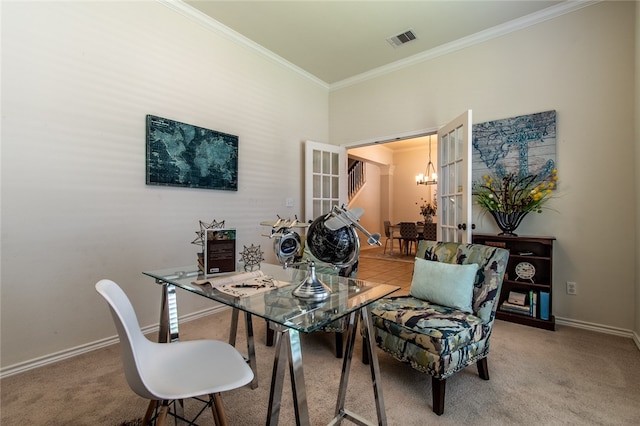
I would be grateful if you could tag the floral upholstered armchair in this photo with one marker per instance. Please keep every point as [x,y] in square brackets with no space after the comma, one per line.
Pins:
[444,325]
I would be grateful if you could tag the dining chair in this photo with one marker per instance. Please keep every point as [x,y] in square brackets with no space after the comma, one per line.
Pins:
[387,234]
[429,232]
[409,235]
[167,372]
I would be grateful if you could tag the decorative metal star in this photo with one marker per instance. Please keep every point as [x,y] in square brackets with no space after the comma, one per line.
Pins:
[251,256]
[199,240]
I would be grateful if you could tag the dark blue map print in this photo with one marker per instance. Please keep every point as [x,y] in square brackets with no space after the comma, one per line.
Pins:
[180,154]
[525,145]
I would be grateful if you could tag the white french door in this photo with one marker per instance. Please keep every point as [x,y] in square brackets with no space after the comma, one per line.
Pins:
[454,184]
[325,178]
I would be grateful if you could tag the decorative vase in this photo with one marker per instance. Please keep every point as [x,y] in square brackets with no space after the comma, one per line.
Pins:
[508,222]
[428,218]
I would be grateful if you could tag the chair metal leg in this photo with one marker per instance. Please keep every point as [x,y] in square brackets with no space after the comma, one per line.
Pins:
[437,388]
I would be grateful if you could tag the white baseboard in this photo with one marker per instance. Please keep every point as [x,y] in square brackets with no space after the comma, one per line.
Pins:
[601,329]
[79,350]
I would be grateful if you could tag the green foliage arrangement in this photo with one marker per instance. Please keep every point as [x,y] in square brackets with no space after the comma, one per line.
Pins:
[514,193]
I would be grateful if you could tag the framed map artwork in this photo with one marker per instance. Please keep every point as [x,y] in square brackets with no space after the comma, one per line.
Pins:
[524,145]
[180,154]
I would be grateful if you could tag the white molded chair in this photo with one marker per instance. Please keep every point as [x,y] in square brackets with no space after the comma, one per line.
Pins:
[173,371]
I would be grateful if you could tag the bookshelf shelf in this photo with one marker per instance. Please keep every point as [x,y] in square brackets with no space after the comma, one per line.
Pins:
[537,255]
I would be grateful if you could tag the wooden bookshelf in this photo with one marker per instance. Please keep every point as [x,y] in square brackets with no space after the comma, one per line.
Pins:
[524,253]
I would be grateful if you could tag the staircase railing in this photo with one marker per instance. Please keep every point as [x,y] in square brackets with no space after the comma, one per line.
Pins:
[357,177]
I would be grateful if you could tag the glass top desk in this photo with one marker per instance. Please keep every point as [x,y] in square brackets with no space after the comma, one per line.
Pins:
[288,316]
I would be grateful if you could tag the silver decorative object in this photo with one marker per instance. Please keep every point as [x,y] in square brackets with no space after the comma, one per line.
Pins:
[251,257]
[331,238]
[312,288]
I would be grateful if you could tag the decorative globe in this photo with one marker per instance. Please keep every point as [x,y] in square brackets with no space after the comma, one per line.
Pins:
[340,248]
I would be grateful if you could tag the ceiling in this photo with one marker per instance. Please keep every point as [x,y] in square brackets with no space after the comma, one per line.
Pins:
[338,40]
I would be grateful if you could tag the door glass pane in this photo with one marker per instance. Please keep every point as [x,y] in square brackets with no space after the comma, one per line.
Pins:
[317,185]
[445,210]
[459,143]
[317,208]
[444,183]
[335,169]
[317,161]
[326,163]
[445,150]
[451,220]
[326,206]
[452,147]
[335,188]
[451,179]
[458,209]
[326,187]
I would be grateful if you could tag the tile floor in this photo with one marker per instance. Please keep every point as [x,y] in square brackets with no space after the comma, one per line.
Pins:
[395,272]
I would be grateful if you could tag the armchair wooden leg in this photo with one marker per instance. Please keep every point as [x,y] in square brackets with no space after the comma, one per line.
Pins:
[339,345]
[437,388]
[483,368]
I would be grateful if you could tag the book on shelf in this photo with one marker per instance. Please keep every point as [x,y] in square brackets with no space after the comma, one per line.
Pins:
[533,303]
[544,305]
[518,309]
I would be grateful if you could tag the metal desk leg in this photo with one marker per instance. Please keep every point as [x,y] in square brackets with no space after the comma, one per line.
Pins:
[367,323]
[288,340]
[341,412]
[168,332]
[251,349]
[168,327]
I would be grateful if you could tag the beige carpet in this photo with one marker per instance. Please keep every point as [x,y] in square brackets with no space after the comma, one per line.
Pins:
[567,377]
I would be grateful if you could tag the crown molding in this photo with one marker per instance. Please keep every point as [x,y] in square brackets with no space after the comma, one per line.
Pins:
[508,27]
[211,24]
[479,37]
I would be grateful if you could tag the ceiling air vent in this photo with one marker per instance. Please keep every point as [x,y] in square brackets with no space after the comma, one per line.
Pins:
[401,39]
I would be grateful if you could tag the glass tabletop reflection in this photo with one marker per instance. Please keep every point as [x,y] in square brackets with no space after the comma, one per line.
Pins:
[278,304]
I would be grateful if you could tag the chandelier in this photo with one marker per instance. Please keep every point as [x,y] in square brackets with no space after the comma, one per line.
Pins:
[430,177]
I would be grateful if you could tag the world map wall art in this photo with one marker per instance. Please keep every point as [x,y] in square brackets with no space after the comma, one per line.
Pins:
[180,154]
[525,145]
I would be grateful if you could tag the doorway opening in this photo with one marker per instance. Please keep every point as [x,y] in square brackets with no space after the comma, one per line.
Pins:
[390,192]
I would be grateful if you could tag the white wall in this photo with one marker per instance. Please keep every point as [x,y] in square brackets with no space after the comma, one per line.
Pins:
[580,64]
[78,79]
[637,170]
